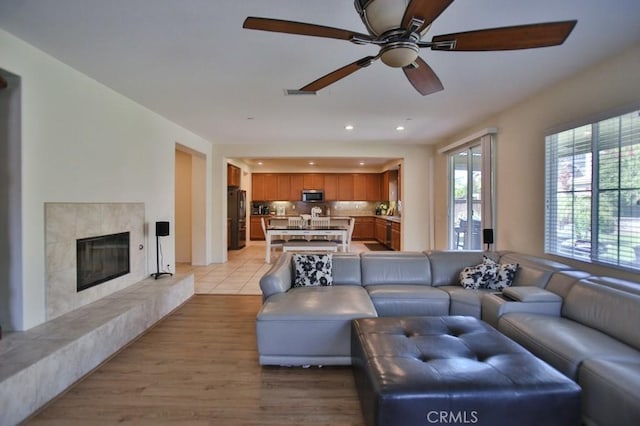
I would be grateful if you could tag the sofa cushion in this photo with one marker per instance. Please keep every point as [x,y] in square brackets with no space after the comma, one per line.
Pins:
[407,300]
[447,265]
[561,281]
[395,268]
[279,278]
[532,270]
[610,391]
[312,270]
[610,310]
[561,342]
[346,269]
[308,323]
[463,301]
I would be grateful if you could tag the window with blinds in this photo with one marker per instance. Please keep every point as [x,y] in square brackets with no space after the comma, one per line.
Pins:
[593,192]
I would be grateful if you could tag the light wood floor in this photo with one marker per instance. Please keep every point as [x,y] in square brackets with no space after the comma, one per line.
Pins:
[199,366]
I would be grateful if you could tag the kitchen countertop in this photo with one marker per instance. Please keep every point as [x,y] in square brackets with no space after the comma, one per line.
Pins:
[396,219]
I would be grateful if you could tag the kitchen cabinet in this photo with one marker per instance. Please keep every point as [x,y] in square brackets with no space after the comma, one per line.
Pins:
[363,228]
[257,187]
[255,228]
[336,186]
[389,187]
[264,187]
[228,232]
[345,187]
[381,230]
[283,191]
[313,181]
[296,187]
[373,187]
[360,187]
[270,187]
[395,236]
[330,187]
[233,175]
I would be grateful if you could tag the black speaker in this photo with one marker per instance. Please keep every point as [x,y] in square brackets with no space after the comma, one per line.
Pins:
[487,236]
[162,229]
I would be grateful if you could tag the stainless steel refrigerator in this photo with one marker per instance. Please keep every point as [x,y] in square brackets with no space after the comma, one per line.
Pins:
[236,211]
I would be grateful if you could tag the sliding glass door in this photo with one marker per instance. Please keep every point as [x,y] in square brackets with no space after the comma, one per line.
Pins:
[466,199]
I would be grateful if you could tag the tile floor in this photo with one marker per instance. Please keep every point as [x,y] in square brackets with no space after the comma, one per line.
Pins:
[242,272]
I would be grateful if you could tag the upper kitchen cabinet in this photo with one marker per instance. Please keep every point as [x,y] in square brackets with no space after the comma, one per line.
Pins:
[296,187]
[233,175]
[389,187]
[360,187]
[264,187]
[313,181]
[345,187]
[331,187]
[283,187]
[373,187]
[257,187]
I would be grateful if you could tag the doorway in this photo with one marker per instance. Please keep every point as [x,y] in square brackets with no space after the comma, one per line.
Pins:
[11,292]
[190,206]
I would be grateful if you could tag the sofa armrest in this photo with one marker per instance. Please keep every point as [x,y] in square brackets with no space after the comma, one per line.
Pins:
[278,279]
[530,295]
[495,305]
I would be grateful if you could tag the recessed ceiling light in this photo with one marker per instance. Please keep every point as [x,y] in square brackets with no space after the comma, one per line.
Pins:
[362,163]
[400,128]
[259,163]
[348,127]
[311,163]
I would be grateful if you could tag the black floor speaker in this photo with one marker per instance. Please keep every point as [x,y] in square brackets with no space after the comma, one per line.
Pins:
[162,229]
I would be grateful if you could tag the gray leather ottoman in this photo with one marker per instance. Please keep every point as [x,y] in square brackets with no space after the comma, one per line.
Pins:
[454,370]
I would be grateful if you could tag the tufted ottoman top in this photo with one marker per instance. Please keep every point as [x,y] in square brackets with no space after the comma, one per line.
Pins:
[415,370]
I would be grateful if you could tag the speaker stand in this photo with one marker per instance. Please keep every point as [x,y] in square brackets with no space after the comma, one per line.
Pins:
[158,274]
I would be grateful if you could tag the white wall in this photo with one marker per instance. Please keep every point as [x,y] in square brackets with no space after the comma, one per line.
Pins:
[82,142]
[520,148]
[416,183]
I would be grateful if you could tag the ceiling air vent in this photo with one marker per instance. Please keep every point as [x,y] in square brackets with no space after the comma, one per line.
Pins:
[295,92]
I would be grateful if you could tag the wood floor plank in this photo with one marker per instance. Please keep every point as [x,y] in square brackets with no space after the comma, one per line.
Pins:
[199,366]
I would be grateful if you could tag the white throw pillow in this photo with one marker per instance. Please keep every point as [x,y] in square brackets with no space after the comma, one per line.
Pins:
[312,270]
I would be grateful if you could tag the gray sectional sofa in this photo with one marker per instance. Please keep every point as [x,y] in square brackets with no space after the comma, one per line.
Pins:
[586,327]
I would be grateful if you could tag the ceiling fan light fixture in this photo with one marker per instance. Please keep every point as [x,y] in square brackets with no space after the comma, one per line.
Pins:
[380,16]
[399,55]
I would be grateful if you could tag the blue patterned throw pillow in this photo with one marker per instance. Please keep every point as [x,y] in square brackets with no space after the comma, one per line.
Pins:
[312,270]
[478,276]
[505,274]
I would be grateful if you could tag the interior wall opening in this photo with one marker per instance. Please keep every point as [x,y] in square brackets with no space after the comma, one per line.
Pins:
[190,206]
[11,299]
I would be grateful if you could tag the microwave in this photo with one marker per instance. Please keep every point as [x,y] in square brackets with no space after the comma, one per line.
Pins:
[312,195]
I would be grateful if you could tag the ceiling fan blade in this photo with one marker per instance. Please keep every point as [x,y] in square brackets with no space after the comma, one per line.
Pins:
[300,28]
[508,38]
[423,78]
[338,74]
[428,10]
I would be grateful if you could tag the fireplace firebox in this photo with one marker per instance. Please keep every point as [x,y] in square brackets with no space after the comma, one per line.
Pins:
[100,259]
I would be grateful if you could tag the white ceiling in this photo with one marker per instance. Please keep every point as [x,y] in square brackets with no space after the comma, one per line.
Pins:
[191,61]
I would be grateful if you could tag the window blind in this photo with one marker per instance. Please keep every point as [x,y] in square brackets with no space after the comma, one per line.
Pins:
[592,192]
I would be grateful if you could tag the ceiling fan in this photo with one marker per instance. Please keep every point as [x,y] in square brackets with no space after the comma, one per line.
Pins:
[397,26]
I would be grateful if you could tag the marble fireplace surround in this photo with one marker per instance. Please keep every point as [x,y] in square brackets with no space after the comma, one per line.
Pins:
[67,222]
